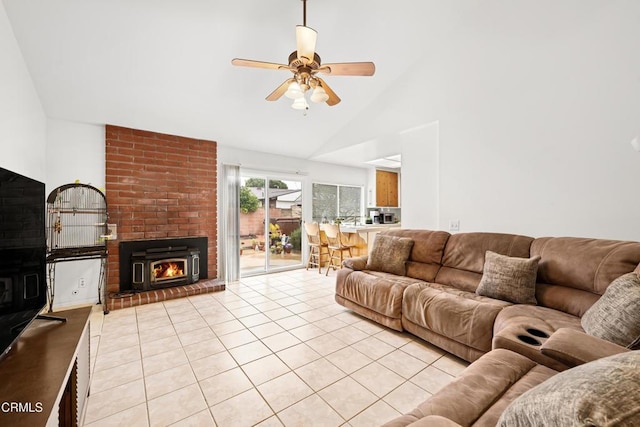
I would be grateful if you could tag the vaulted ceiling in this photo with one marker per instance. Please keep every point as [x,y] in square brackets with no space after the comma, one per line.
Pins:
[165,65]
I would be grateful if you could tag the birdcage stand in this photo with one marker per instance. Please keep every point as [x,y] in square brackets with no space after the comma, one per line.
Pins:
[53,259]
[76,230]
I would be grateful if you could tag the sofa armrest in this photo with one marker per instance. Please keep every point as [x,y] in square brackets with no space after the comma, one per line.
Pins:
[573,347]
[357,263]
[434,421]
[428,421]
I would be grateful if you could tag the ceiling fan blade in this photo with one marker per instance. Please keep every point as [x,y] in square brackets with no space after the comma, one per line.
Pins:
[333,98]
[280,90]
[306,38]
[349,69]
[258,64]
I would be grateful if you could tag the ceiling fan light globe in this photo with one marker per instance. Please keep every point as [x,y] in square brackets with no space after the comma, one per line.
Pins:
[300,104]
[319,95]
[294,91]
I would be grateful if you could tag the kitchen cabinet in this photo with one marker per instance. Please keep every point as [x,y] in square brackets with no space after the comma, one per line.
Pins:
[386,188]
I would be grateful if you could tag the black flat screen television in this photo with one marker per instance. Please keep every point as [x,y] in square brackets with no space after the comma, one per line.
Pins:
[23,251]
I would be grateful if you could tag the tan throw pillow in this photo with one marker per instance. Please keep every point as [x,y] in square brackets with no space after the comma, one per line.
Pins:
[509,278]
[599,393]
[615,316]
[389,254]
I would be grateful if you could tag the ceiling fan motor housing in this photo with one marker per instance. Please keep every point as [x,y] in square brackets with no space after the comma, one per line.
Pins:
[294,62]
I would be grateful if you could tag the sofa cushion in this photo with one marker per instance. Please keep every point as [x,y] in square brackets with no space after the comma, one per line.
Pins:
[599,393]
[377,291]
[462,316]
[389,254]
[573,283]
[463,259]
[509,278]
[615,316]
[592,265]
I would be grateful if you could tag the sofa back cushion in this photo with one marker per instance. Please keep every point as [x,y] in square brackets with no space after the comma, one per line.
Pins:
[426,254]
[573,272]
[464,256]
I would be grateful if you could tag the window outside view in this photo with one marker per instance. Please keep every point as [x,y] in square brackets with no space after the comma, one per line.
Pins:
[331,202]
[270,221]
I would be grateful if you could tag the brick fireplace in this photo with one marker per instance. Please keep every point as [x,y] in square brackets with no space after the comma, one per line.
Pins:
[160,188]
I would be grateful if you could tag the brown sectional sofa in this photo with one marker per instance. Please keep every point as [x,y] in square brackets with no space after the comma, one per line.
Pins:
[436,298]
[532,364]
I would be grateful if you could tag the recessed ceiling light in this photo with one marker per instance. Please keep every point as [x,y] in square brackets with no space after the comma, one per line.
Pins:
[387,162]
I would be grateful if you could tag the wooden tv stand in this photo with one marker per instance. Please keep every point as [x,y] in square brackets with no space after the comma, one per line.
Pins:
[44,380]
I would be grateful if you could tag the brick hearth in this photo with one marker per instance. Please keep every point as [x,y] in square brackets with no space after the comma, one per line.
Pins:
[160,186]
[140,298]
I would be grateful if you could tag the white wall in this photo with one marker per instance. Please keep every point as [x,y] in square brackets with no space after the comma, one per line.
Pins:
[22,119]
[535,130]
[537,104]
[420,178]
[75,151]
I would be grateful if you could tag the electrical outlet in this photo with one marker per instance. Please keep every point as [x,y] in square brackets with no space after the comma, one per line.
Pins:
[82,283]
[454,225]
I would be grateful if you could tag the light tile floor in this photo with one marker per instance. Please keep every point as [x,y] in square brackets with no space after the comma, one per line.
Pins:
[271,350]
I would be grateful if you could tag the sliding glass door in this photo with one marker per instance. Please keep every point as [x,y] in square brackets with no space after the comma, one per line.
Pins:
[270,223]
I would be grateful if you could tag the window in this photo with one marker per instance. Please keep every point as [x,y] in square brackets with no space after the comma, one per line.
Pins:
[336,201]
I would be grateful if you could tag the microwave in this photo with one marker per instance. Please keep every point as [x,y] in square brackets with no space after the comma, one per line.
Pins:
[387,218]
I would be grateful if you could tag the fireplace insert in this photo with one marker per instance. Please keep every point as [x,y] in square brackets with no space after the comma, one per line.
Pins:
[154,250]
[165,267]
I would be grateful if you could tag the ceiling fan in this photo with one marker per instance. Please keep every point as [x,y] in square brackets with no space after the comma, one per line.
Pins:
[305,64]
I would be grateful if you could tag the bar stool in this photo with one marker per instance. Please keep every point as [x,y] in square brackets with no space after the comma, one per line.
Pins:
[336,247]
[318,249]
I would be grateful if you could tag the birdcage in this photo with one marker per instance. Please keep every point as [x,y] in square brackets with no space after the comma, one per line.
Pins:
[76,229]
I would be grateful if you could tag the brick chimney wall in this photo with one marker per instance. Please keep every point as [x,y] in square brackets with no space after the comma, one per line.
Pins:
[159,186]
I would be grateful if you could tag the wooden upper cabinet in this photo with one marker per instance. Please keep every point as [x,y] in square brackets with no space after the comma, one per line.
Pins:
[386,188]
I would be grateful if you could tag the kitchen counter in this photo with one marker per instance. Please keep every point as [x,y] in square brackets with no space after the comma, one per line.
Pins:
[363,235]
[367,228]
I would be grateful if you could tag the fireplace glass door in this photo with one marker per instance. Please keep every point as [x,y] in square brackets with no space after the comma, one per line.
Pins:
[270,223]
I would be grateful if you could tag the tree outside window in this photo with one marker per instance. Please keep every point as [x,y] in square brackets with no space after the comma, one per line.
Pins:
[336,201]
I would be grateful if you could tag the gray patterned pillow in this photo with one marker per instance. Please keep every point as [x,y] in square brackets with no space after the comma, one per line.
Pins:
[389,254]
[615,316]
[599,393]
[509,278]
